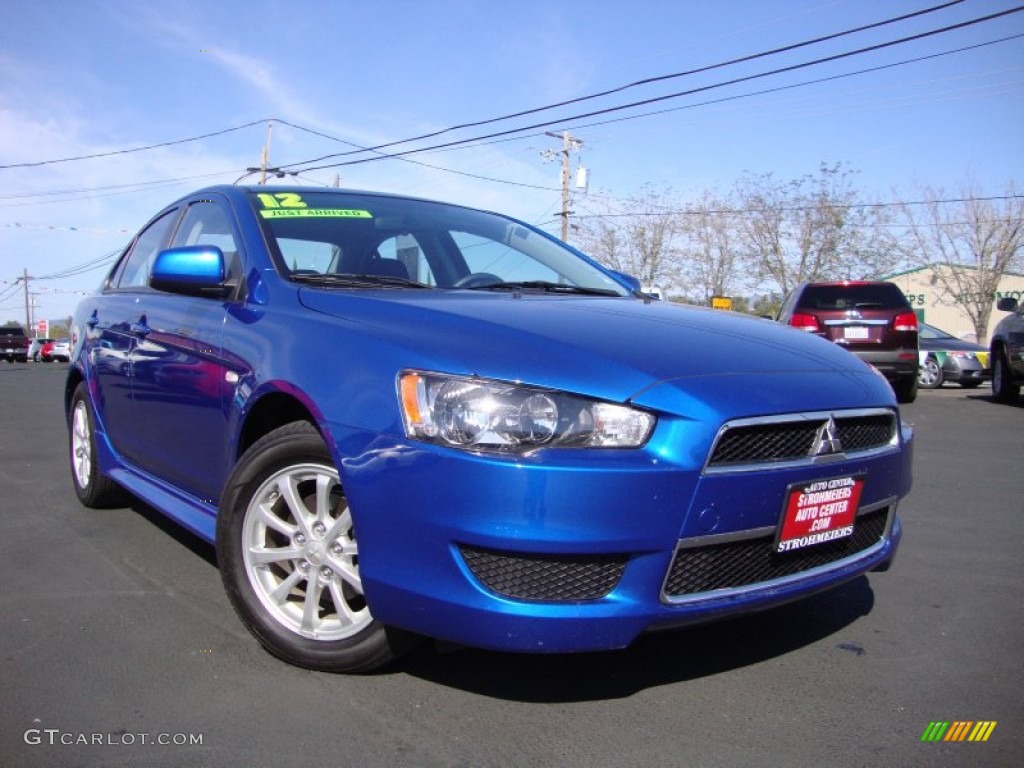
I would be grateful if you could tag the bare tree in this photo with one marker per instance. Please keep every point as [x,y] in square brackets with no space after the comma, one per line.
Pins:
[970,243]
[811,228]
[638,236]
[711,263]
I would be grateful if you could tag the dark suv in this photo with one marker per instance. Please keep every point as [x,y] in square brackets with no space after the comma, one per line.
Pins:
[13,343]
[872,319]
[1007,352]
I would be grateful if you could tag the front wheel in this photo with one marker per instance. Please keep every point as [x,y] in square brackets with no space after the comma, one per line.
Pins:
[288,557]
[929,375]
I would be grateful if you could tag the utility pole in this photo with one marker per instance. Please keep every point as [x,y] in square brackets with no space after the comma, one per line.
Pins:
[265,156]
[569,143]
[28,310]
[33,303]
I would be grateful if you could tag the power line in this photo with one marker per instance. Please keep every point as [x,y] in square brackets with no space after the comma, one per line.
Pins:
[133,149]
[656,99]
[385,156]
[645,81]
[129,187]
[669,211]
[793,86]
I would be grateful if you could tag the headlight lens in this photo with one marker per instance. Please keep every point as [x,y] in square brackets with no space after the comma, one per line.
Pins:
[483,415]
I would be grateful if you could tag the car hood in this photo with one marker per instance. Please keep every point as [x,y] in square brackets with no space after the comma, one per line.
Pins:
[657,353]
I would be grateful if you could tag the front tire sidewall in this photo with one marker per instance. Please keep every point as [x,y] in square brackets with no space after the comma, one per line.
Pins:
[1004,390]
[292,445]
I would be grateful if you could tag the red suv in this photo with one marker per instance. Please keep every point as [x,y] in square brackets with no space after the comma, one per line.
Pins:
[872,319]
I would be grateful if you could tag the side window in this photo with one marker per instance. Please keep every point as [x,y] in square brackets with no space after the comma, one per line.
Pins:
[135,273]
[205,223]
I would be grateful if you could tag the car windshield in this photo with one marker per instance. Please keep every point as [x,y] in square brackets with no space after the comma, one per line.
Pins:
[362,240]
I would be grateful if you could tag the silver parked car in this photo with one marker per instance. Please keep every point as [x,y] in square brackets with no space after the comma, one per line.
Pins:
[944,358]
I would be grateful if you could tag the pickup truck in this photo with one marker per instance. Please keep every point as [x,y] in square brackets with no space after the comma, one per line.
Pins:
[13,343]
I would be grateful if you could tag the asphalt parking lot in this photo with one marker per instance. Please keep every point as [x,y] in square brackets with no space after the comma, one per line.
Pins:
[118,646]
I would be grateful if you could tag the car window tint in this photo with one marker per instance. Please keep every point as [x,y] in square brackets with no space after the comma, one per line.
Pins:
[406,250]
[205,223]
[308,255]
[135,273]
[432,243]
[485,255]
[853,296]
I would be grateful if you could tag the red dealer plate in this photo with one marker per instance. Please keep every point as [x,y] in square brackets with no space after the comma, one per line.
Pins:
[818,512]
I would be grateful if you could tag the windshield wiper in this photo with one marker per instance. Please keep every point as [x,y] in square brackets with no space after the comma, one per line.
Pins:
[546,287]
[355,281]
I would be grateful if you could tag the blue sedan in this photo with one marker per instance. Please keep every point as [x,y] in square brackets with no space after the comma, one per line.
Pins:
[397,418]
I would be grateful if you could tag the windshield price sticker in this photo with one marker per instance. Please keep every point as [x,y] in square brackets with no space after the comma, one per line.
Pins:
[818,512]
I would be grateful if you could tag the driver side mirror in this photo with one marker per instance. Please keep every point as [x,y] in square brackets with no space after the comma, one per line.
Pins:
[191,270]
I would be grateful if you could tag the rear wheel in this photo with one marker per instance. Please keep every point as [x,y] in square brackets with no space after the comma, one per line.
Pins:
[92,488]
[905,389]
[929,375]
[287,551]
[1004,389]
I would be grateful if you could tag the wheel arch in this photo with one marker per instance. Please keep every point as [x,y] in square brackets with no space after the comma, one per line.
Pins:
[75,378]
[272,410]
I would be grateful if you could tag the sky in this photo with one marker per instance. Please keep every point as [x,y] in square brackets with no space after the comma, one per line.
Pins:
[332,77]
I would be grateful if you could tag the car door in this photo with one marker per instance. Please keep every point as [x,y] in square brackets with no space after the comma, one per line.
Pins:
[178,386]
[111,338]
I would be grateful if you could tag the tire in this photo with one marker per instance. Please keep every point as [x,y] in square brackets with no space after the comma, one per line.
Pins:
[970,384]
[929,375]
[287,553]
[905,389]
[1004,388]
[93,489]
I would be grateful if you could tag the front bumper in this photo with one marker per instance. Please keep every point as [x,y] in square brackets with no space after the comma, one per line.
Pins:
[574,550]
[965,371]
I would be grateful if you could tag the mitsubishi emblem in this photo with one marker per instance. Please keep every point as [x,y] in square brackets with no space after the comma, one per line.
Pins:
[826,440]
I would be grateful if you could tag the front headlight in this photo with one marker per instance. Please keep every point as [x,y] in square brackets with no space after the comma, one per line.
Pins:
[484,415]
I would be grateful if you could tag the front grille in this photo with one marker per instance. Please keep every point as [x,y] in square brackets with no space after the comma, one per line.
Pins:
[550,578]
[741,563]
[787,439]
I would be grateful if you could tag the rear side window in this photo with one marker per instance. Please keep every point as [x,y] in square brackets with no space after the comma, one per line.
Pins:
[854,296]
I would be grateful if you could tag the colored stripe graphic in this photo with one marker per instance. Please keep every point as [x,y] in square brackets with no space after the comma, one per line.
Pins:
[982,730]
[959,730]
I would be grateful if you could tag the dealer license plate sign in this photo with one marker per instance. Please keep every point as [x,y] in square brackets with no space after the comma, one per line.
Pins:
[819,512]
